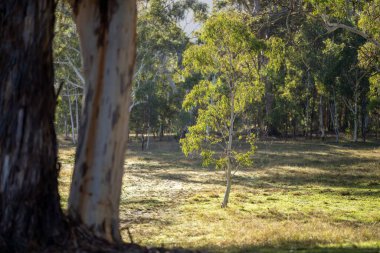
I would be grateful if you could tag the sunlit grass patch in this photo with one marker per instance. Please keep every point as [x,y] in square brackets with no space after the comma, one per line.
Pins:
[300,196]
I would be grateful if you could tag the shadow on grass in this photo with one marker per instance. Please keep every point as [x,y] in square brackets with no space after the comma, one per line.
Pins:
[272,180]
[269,249]
[331,165]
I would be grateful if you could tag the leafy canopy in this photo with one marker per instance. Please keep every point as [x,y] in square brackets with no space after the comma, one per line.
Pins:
[227,58]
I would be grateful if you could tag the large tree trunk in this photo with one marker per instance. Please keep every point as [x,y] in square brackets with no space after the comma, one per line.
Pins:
[30,212]
[107,34]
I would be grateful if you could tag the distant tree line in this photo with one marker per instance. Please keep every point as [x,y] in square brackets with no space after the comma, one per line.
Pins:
[318,69]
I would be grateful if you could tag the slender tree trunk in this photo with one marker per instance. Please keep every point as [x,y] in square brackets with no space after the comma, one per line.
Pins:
[377,127]
[142,141]
[228,186]
[336,120]
[30,212]
[107,35]
[364,118]
[286,130]
[312,113]
[161,132]
[307,117]
[321,124]
[66,128]
[148,138]
[355,134]
[229,153]
[307,108]
[71,116]
[76,113]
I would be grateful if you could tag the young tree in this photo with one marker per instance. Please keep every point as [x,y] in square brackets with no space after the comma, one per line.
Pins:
[227,59]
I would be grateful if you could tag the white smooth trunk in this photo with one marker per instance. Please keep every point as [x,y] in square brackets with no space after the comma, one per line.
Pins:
[71,117]
[107,32]
[334,119]
[66,130]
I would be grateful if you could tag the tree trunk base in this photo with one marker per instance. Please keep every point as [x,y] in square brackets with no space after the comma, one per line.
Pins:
[80,239]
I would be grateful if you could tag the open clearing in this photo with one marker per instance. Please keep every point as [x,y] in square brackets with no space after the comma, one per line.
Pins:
[298,197]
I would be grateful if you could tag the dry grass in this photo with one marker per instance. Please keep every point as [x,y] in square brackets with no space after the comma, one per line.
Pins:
[299,196]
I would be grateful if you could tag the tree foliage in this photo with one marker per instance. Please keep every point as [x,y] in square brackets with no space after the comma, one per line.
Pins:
[227,58]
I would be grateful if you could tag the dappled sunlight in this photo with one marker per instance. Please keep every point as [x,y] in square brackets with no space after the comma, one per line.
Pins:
[289,199]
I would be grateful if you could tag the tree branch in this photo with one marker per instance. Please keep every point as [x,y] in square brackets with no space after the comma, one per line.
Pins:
[334,26]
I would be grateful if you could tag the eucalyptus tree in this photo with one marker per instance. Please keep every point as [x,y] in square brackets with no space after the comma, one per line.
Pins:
[227,58]
[278,19]
[328,74]
[160,45]
[107,33]
[30,215]
[358,17]
[361,18]
[287,20]
[68,72]
[30,212]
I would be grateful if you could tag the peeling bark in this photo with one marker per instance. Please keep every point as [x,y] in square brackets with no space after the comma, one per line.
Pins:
[107,35]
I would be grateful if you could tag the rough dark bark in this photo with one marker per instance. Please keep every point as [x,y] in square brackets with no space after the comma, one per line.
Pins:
[30,212]
[31,219]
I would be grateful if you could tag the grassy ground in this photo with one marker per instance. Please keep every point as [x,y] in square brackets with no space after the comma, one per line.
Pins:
[298,197]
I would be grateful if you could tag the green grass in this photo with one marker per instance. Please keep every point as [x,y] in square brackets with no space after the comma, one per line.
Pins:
[298,197]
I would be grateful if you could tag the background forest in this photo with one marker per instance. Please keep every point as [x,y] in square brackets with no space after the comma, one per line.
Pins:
[314,76]
[281,97]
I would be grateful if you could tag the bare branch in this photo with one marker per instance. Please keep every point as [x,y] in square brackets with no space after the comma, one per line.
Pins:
[76,70]
[334,26]
[74,84]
